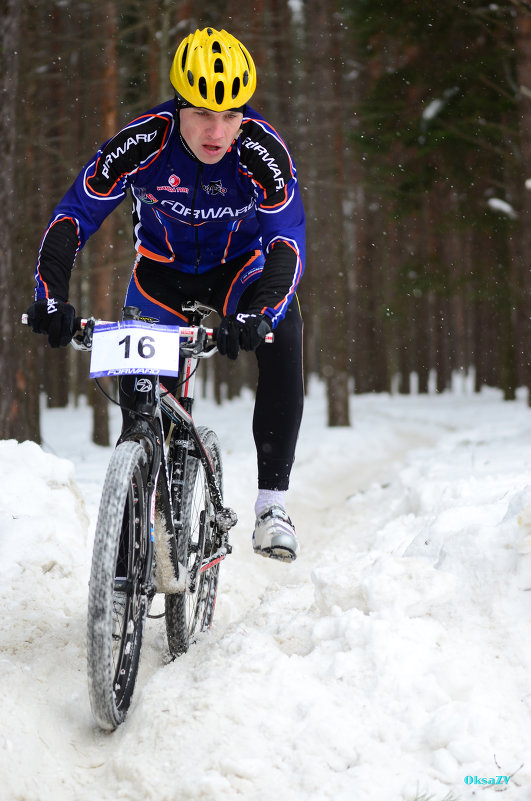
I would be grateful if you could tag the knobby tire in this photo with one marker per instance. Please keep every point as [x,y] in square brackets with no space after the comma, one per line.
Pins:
[120,574]
[189,613]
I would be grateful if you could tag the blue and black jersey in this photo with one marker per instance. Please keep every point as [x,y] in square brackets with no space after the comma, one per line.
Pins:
[189,216]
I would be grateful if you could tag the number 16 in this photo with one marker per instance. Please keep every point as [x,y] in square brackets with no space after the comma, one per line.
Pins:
[145,348]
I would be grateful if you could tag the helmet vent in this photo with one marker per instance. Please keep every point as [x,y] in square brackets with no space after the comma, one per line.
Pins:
[216,47]
[235,87]
[245,78]
[183,57]
[190,77]
[202,86]
[218,65]
[219,92]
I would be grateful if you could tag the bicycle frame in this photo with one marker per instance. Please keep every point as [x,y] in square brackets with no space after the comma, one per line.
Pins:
[179,413]
[151,400]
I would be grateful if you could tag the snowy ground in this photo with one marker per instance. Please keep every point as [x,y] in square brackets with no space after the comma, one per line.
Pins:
[391,661]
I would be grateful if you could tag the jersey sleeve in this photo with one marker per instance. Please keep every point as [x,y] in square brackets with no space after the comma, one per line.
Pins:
[265,159]
[98,189]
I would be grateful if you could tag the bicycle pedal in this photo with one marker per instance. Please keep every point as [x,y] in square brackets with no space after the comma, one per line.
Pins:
[226,518]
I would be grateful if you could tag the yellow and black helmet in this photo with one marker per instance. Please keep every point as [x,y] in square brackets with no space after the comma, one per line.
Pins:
[213,70]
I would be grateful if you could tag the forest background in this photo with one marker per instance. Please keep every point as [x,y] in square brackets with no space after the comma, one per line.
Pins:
[410,124]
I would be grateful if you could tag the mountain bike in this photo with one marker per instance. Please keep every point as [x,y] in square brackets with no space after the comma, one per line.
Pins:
[162,525]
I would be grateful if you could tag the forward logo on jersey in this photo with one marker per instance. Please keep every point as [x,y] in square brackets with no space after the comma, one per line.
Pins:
[268,159]
[121,149]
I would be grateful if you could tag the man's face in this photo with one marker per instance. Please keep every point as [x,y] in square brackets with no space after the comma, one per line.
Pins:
[209,134]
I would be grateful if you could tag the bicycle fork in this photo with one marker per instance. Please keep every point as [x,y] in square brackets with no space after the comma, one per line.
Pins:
[145,427]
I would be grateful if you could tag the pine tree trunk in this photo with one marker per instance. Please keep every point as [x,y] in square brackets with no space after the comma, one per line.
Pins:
[521,259]
[102,246]
[334,260]
[19,410]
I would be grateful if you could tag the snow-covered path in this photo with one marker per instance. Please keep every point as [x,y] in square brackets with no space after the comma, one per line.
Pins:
[392,659]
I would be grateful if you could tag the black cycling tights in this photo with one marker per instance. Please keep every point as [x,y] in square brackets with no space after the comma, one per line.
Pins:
[279,401]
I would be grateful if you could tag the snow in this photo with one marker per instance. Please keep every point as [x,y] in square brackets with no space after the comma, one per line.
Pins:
[433,108]
[497,204]
[297,10]
[391,660]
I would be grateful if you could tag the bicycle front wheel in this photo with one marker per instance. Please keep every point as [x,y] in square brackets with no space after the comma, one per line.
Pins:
[191,612]
[119,581]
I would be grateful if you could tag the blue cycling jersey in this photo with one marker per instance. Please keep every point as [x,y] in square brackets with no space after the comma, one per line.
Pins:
[187,215]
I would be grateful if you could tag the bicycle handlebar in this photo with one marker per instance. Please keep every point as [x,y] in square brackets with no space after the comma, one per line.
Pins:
[80,324]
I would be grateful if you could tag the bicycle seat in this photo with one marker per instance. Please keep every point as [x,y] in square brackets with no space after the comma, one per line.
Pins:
[196,308]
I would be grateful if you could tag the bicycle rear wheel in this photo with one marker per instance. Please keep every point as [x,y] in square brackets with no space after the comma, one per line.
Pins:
[119,583]
[191,612]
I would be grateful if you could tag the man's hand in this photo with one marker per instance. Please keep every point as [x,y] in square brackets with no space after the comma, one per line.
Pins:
[52,317]
[244,330]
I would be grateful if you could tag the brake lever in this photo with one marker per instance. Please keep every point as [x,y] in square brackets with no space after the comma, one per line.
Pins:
[82,339]
[197,347]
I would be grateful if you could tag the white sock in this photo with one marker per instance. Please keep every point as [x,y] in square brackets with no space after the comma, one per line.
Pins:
[268,498]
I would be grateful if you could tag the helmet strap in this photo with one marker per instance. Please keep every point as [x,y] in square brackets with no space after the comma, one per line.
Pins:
[180,102]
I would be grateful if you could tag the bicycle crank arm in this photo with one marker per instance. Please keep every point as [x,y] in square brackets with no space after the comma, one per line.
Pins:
[208,563]
[215,558]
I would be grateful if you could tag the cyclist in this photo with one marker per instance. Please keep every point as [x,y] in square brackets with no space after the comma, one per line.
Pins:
[217,218]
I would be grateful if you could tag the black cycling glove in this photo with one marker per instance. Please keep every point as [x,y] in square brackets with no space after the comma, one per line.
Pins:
[52,317]
[245,331]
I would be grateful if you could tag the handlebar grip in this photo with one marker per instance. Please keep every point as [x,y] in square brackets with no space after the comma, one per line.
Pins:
[268,339]
[79,322]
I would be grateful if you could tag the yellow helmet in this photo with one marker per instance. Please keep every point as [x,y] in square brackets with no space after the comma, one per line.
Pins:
[213,70]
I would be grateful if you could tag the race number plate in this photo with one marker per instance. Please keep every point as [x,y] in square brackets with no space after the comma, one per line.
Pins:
[134,348]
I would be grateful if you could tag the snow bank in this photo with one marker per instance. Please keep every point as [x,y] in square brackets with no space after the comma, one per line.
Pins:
[44,558]
[391,660]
